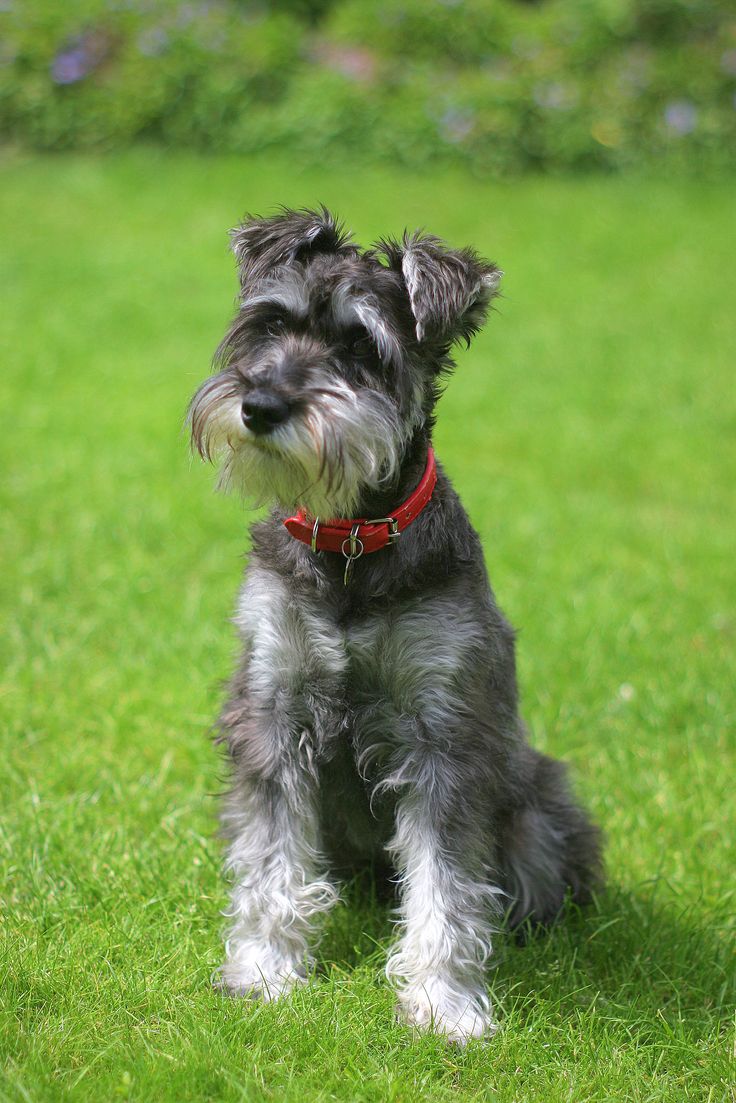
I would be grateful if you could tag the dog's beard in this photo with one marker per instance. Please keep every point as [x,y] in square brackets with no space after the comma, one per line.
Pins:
[322,459]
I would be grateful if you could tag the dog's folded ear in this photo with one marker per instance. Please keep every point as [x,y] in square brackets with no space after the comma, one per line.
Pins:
[262,244]
[449,289]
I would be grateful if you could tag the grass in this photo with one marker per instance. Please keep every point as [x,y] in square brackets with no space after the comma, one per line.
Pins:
[591,433]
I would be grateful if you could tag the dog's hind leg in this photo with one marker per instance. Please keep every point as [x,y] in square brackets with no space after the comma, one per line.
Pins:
[548,849]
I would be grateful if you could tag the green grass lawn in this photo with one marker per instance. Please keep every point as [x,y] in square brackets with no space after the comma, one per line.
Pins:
[590,431]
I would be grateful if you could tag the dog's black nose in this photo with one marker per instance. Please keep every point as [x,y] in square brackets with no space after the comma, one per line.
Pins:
[263,411]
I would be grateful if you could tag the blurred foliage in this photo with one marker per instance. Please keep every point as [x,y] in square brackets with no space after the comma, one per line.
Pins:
[501,86]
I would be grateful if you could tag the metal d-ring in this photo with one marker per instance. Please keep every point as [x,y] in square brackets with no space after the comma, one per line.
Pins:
[315,531]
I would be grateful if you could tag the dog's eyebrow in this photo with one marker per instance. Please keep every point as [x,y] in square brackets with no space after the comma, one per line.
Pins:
[288,293]
[350,305]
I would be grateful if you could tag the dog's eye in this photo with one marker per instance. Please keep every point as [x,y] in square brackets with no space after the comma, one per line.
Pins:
[275,327]
[361,347]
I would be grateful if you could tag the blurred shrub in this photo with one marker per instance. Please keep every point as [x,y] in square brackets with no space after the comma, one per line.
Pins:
[97,73]
[501,85]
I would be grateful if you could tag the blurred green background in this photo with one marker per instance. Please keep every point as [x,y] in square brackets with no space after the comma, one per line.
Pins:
[501,86]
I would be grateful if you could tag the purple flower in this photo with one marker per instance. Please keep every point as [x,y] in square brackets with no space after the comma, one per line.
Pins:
[70,65]
[79,57]
[681,116]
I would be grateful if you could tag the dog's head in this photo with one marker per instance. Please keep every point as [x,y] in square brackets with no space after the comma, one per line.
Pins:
[332,362]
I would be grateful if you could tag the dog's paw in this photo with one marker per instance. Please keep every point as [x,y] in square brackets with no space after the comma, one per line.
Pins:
[247,979]
[265,989]
[457,1019]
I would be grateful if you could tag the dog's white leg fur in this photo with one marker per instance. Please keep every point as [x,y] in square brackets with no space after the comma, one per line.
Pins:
[271,816]
[438,963]
[278,894]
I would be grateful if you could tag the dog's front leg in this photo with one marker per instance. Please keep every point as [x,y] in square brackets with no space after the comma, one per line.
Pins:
[278,891]
[281,713]
[438,963]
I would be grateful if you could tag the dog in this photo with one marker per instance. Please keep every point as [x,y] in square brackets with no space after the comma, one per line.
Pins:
[373,718]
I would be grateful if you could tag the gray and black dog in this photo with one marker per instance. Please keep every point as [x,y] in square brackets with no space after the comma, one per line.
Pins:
[373,717]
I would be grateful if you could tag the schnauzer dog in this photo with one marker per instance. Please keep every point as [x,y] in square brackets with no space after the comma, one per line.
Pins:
[373,716]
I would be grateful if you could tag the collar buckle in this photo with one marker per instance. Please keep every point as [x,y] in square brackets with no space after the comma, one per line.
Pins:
[393,527]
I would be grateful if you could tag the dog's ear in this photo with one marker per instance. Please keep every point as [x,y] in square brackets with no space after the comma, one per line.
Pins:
[262,244]
[449,289]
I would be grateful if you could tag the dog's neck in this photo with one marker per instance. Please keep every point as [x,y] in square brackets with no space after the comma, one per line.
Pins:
[382,503]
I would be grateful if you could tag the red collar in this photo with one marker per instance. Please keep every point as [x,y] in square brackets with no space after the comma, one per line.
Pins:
[355,537]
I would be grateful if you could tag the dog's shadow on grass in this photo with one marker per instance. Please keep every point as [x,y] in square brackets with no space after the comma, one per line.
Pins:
[633,955]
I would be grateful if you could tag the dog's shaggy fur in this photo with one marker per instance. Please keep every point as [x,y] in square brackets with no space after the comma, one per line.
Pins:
[375,721]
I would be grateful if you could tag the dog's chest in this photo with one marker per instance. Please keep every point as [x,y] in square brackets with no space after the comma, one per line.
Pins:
[398,654]
[404,654]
